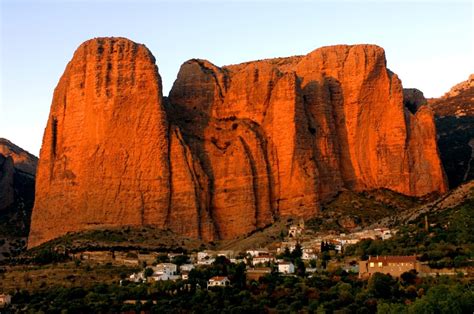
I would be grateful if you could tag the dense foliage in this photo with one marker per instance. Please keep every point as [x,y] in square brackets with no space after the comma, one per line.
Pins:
[338,291]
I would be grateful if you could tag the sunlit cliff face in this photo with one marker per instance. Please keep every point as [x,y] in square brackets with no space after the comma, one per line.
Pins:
[232,148]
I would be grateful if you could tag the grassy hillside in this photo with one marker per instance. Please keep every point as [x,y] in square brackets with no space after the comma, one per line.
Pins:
[122,238]
[444,238]
[350,210]
[67,275]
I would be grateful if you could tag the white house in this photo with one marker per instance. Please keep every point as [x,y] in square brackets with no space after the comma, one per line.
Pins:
[168,268]
[254,253]
[205,254]
[286,268]
[164,271]
[262,259]
[385,233]
[207,261]
[5,299]
[291,245]
[186,267]
[159,277]
[226,253]
[206,257]
[137,277]
[218,281]
[309,254]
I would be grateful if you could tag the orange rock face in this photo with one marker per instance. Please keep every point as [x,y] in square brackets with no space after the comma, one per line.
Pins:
[236,147]
[104,159]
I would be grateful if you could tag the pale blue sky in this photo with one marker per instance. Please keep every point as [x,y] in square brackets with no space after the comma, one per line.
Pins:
[428,44]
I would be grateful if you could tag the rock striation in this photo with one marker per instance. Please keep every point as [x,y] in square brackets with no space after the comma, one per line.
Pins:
[231,148]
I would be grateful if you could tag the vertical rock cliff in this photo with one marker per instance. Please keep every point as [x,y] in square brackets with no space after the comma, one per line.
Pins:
[104,159]
[231,148]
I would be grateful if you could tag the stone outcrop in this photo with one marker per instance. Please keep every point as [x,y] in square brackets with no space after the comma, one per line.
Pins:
[231,148]
[23,160]
[460,88]
[17,173]
[454,114]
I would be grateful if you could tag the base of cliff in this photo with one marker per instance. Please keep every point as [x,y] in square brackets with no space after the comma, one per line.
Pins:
[347,212]
[119,239]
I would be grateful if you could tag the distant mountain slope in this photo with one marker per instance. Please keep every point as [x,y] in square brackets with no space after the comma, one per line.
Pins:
[23,160]
[454,114]
[455,197]
[17,194]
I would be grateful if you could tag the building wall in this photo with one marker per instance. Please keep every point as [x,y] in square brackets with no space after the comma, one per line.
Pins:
[394,269]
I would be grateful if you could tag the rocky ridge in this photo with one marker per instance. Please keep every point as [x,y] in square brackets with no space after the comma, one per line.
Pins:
[454,116]
[231,148]
[16,167]
[460,87]
[17,191]
[22,160]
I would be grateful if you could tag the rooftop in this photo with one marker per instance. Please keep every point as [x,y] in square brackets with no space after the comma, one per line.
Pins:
[218,278]
[393,259]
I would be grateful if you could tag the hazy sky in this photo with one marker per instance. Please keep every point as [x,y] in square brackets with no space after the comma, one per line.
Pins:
[428,44]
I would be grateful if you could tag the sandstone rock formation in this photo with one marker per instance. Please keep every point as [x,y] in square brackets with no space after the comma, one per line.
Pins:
[455,125]
[104,159]
[231,148]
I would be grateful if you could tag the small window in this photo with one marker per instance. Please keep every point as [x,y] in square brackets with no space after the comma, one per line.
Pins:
[371,264]
[380,264]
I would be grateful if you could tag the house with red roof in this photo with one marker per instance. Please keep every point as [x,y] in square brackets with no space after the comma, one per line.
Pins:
[218,281]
